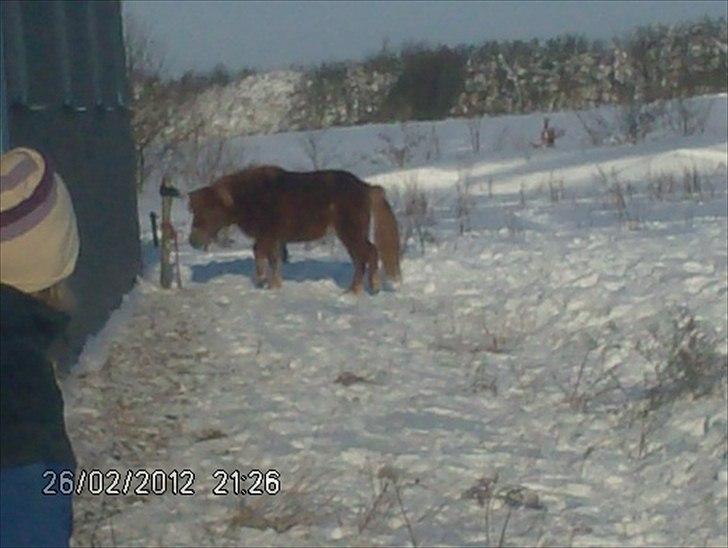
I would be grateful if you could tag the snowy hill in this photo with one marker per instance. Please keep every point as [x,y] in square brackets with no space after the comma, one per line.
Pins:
[551,371]
[262,101]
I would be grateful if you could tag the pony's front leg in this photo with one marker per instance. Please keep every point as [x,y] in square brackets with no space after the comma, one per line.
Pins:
[275,280]
[357,282]
[261,261]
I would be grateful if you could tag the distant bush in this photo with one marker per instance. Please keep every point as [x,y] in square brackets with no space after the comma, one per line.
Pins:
[325,86]
[384,61]
[220,75]
[428,85]
[649,64]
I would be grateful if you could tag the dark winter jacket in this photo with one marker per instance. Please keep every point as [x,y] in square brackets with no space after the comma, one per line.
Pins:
[31,417]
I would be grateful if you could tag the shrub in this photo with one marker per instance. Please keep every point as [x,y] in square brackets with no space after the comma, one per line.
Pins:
[429,84]
[684,357]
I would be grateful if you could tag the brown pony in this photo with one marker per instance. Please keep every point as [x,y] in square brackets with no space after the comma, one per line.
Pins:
[273,206]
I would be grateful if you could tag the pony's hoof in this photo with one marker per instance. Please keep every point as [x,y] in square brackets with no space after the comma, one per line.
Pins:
[394,285]
[375,284]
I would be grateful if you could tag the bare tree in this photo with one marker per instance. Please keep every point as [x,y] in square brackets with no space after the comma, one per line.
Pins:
[433,145]
[312,144]
[416,212]
[143,55]
[595,126]
[400,152]
[548,135]
[474,124]
[151,107]
[201,159]
[688,117]
[630,123]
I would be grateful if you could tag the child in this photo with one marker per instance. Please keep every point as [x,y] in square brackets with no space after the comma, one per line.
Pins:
[39,246]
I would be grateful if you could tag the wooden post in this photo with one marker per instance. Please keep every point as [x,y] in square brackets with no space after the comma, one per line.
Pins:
[166,271]
[155,233]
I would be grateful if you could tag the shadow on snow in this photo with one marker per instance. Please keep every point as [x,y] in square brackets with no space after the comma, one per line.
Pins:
[300,271]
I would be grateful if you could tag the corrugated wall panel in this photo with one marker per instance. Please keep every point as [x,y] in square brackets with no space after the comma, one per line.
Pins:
[91,146]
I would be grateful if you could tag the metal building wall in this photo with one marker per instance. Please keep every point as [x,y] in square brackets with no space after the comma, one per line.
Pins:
[66,90]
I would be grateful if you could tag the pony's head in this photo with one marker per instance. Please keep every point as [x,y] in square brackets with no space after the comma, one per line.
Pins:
[211,209]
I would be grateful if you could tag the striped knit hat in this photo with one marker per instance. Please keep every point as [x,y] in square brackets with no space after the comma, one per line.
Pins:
[38,234]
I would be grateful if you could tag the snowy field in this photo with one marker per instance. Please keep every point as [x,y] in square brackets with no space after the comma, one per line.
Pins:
[522,387]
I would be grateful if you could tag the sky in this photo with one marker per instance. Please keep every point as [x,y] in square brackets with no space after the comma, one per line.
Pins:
[266,35]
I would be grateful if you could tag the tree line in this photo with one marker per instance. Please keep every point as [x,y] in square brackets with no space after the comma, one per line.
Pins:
[425,82]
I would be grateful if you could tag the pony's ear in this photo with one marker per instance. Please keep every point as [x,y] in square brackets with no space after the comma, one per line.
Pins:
[223,194]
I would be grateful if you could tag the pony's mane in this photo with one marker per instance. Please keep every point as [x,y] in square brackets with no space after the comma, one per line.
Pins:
[258,168]
[251,171]
[249,174]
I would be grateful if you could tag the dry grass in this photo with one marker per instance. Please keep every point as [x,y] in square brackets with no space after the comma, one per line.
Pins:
[556,189]
[685,360]
[400,151]
[513,497]
[388,490]
[298,505]
[464,199]
[585,389]
[413,207]
[686,364]
[619,196]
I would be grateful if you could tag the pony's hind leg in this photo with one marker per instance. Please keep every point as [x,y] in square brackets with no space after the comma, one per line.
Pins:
[261,264]
[373,267]
[267,263]
[357,251]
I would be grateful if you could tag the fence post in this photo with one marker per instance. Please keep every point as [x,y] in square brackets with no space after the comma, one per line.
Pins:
[155,232]
[166,263]
[168,192]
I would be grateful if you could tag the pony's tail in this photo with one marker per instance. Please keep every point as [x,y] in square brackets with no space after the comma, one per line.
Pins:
[386,233]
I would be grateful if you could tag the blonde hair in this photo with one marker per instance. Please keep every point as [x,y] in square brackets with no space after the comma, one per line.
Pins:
[58,296]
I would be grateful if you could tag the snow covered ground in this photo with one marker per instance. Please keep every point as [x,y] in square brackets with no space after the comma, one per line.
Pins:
[500,395]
